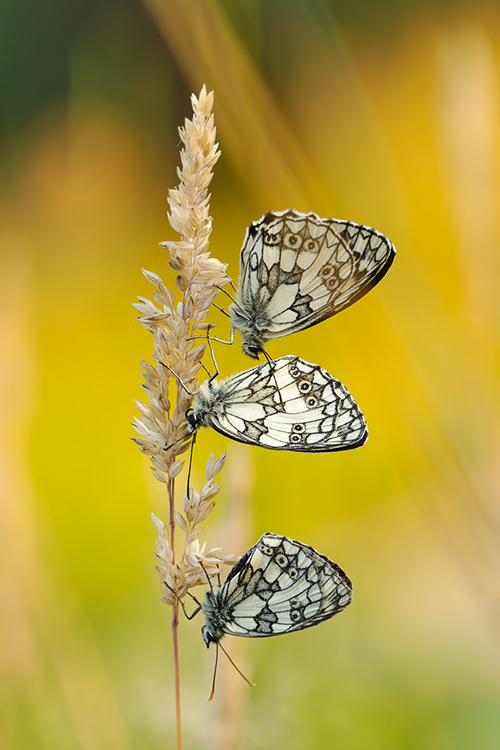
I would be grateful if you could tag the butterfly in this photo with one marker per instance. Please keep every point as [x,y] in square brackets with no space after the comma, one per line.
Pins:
[283,404]
[278,586]
[297,270]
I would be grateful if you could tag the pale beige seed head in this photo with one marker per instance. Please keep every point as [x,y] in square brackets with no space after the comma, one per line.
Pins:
[173,318]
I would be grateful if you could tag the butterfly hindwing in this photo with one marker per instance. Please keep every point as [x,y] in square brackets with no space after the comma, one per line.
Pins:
[286,404]
[297,269]
[279,586]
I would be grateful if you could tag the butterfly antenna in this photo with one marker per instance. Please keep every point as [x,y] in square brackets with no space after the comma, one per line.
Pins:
[266,355]
[252,684]
[215,671]
[178,377]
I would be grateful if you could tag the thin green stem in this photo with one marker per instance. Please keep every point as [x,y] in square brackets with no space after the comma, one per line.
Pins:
[175,622]
[175,618]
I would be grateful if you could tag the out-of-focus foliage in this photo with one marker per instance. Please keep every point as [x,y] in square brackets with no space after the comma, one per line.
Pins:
[385,113]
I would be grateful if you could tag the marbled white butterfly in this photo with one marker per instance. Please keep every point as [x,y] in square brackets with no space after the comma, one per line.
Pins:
[283,404]
[297,270]
[278,586]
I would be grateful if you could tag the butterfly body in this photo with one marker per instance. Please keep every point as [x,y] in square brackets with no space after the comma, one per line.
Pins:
[284,404]
[279,586]
[252,329]
[297,270]
[217,614]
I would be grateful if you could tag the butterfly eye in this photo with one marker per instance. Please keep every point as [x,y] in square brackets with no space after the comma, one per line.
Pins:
[282,561]
[311,401]
[294,371]
[293,573]
[293,240]
[298,428]
[294,438]
[305,386]
[326,271]
[295,615]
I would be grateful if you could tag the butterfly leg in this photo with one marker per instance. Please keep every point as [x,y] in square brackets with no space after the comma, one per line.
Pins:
[266,355]
[208,579]
[167,447]
[190,464]
[193,614]
[177,376]
[219,341]
[221,289]
[225,312]
[241,311]
[209,342]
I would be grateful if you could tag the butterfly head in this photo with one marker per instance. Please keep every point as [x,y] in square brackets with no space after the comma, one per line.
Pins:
[192,420]
[208,636]
[252,350]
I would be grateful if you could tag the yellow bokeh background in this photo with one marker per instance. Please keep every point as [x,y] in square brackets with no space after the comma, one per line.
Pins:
[384,113]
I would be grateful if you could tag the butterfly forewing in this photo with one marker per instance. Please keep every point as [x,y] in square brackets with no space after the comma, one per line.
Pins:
[288,404]
[279,586]
[297,269]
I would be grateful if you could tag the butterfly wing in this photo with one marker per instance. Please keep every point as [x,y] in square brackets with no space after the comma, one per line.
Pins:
[297,269]
[289,404]
[279,586]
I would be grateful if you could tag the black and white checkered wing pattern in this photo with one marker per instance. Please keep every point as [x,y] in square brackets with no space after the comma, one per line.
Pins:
[297,269]
[281,585]
[290,404]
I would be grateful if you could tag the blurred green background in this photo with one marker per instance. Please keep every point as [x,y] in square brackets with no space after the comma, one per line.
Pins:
[386,113]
